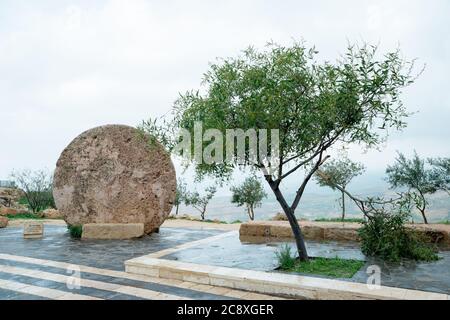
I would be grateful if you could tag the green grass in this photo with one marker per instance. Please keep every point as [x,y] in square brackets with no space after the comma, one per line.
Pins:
[330,267]
[358,220]
[190,218]
[29,216]
[23,201]
[444,222]
[213,221]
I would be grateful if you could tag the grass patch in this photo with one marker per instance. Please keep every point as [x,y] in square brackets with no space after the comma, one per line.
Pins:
[28,216]
[23,201]
[213,221]
[358,220]
[330,267]
[190,218]
[75,231]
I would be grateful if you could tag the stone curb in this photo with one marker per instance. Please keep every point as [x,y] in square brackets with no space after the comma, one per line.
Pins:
[300,287]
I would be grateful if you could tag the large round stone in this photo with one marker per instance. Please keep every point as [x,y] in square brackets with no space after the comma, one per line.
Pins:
[112,174]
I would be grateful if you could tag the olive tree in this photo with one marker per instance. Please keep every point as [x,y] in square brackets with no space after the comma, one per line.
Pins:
[339,172]
[414,175]
[313,105]
[37,188]
[200,202]
[250,193]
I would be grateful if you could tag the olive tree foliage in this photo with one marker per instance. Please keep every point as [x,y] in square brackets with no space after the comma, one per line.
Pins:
[339,172]
[414,175]
[37,188]
[314,105]
[198,201]
[440,173]
[249,194]
[180,194]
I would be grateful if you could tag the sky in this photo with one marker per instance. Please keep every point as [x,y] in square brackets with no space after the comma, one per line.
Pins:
[67,66]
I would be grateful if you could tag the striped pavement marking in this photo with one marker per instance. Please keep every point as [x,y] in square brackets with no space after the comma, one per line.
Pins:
[119,288]
[43,292]
[138,292]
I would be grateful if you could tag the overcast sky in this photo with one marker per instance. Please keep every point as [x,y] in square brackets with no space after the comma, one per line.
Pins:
[67,66]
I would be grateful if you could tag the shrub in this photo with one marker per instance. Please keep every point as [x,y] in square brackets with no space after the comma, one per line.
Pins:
[23,216]
[385,235]
[280,217]
[285,258]
[75,231]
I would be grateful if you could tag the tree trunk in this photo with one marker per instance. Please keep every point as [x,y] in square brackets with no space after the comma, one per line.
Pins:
[343,206]
[251,213]
[422,211]
[299,240]
[176,211]
[203,214]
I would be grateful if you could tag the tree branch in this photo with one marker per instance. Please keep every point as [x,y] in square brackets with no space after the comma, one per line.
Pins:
[300,191]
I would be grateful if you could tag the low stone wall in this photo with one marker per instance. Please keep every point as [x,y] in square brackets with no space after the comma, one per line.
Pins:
[335,231]
[3,222]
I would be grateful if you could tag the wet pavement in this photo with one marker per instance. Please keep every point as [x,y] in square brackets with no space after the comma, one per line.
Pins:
[231,252]
[427,276]
[57,245]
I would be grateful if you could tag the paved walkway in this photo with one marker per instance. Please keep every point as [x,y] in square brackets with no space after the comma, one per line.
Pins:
[52,267]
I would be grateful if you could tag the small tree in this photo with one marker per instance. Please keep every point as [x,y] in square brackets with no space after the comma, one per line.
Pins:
[200,202]
[180,194]
[339,172]
[413,175]
[384,233]
[37,187]
[313,105]
[250,194]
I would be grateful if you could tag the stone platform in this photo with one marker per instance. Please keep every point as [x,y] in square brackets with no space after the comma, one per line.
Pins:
[112,231]
[335,231]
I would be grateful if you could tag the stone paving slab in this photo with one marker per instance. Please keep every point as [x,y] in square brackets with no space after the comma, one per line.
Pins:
[21,276]
[109,254]
[103,281]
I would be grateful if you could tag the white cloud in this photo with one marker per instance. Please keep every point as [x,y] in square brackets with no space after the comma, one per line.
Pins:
[66,66]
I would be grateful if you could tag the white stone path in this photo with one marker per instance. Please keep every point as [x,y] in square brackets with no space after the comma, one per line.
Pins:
[17,286]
